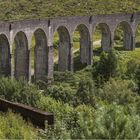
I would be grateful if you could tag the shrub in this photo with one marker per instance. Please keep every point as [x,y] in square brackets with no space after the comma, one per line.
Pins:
[58,131]
[63,118]
[64,76]
[107,66]
[111,122]
[62,92]
[59,109]
[85,92]
[137,104]
[117,90]
[14,127]
[67,119]
[137,77]
[106,122]
[18,91]
[85,118]
[132,67]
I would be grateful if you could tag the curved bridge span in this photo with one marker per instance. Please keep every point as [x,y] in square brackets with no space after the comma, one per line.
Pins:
[19,34]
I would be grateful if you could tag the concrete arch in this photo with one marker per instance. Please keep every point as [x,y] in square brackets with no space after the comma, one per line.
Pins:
[85,43]
[14,34]
[5,61]
[128,35]
[64,49]
[21,59]
[80,25]
[106,42]
[61,25]
[40,54]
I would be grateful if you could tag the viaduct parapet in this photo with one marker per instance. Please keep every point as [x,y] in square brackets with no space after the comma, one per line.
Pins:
[18,36]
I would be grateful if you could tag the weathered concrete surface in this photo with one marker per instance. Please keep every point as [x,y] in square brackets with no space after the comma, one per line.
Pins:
[64,49]
[5,68]
[21,57]
[21,32]
[41,55]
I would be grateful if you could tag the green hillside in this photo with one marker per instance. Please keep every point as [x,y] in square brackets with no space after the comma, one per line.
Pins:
[101,101]
[24,9]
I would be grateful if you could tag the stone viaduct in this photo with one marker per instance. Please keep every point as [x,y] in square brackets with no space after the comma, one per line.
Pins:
[19,35]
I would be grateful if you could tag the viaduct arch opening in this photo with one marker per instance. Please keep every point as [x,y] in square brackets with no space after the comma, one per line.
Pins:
[21,57]
[123,36]
[5,60]
[62,49]
[101,38]
[81,47]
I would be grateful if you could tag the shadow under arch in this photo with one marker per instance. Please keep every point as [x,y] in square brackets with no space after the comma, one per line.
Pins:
[123,34]
[5,60]
[40,55]
[81,47]
[21,57]
[64,49]
[105,39]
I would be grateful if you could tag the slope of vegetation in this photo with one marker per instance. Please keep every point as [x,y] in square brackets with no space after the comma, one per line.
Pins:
[101,101]
[13,127]
[23,9]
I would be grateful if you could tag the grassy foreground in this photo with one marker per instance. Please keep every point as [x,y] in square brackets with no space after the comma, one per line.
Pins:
[90,103]
[85,105]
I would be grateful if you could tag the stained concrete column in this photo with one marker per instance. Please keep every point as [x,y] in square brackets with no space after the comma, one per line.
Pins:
[12,65]
[5,67]
[64,56]
[112,41]
[129,40]
[85,45]
[85,50]
[50,62]
[90,57]
[133,42]
[31,77]
[21,57]
[41,55]
[64,50]
[106,40]
[70,58]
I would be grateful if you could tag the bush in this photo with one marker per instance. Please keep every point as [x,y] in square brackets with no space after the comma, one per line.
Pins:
[132,67]
[61,92]
[85,92]
[59,109]
[66,77]
[118,91]
[58,131]
[137,105]
[67,119]
[84,122]
[18,91]
[137,77]
[107,66]
[111,122]
[85,118]
[14,127]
